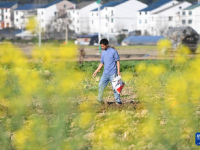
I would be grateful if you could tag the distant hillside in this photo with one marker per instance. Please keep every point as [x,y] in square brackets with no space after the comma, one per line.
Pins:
[77,1]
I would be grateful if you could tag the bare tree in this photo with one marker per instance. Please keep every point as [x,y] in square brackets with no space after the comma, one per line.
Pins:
[162,25]
[146,32]
[119,27]
[81,54]
[86,30]
[56,28]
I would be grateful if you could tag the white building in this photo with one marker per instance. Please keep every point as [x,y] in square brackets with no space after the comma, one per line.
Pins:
[116,17]
[158,17]
[164,19]
[22,14]
[6,14]
[190,16]
[80,17]
[47,13]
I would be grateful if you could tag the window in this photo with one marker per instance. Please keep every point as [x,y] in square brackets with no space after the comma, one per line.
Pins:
[170,18]
[111,12]
[140,13]
[55,13]
[189,21]
[97,14]
[106,24]
[92,21]
[16,12]
[140,21]
[112,20]
[64,6]
[16,20]
[106,8]
[180,7]
[145,21]
[42,12]
[183,21]
[151,28]
[77,28]
[6,17]
[112,30]
[146,12]
[92,14]
[77,21]
[77,13]
[190,12]
[183,13]
[6,10]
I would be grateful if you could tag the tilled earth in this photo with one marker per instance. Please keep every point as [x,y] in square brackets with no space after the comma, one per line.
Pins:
[128,99]
[125,53]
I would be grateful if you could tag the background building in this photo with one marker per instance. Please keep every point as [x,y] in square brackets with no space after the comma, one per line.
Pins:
[47,13]
[116,17]
[6,14]
[160,20]
[80,17]
[23,13]
[190,16]
[144,15]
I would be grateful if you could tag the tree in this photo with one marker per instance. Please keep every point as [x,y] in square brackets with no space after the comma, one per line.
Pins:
[162,25]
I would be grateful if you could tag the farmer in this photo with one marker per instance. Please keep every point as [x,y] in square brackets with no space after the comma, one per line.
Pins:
[110,60]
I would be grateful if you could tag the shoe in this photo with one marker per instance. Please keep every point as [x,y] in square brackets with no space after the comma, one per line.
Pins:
[110,103]
[119,103]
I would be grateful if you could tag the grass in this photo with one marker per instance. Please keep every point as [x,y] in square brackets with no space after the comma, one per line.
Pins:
[126,65]
[135,49]
[52,105]
[159,86]
[124,47]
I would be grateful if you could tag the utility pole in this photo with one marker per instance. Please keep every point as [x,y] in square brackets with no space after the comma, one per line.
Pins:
[66,35]
[99,34]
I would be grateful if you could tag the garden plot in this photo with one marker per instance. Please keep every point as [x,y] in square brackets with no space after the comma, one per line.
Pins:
[50,104]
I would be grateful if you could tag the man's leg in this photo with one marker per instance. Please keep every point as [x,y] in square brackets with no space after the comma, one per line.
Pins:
[102,84]
[117,96]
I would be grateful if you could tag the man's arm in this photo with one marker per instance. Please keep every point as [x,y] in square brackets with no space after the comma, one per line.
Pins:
[118,68]
[100,66]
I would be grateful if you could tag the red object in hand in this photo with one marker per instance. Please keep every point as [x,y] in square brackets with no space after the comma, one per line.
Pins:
[120,88]
[118,84]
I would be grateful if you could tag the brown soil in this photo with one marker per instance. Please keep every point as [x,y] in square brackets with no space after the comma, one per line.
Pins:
[128,99]
[125,54]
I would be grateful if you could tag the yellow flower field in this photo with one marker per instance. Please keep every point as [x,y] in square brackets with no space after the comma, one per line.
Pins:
[50,103]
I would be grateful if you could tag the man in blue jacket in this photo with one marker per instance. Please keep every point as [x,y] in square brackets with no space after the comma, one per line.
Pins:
[110,61]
